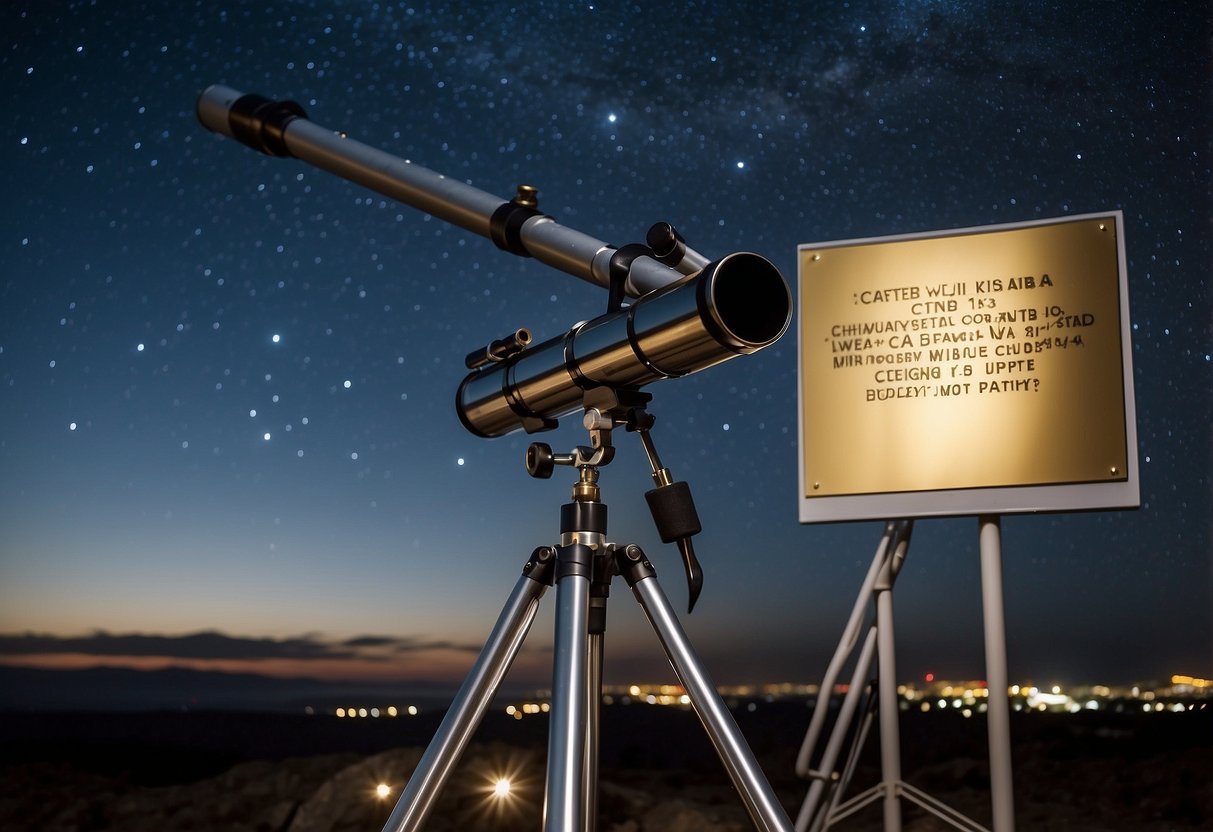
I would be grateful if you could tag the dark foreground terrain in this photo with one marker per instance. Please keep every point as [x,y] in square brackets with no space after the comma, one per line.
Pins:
[280,773]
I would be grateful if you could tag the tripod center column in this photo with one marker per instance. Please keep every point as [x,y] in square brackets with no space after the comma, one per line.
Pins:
[582,534]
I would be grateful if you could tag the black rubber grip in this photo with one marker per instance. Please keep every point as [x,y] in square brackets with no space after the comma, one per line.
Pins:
[673,511]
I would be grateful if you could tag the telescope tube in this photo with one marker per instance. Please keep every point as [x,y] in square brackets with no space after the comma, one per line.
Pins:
[734,306]
[282,128]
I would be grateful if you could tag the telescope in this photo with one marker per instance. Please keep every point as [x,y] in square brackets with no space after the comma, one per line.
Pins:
[688,313]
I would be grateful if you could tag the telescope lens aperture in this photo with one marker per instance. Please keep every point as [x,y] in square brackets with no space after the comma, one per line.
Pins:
[751,299]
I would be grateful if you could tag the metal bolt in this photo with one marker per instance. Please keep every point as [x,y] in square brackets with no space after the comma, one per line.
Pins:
[527,195]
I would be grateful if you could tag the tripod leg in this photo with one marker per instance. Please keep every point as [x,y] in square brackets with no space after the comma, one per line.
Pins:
[466,711]
[593,729]
[600,590]
[565,808]
[759,798]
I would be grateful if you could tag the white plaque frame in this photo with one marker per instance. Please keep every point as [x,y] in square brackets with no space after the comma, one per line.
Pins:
[1003,499]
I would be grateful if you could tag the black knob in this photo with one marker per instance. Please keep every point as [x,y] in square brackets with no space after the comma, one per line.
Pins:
[539,460]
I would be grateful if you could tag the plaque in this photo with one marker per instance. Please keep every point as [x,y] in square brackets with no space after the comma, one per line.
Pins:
[976,371]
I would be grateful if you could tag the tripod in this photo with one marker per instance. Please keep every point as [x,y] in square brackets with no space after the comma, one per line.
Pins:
[581,568]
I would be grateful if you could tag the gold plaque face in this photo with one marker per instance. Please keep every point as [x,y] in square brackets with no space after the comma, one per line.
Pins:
[990,358]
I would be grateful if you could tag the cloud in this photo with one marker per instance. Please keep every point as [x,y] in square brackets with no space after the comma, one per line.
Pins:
[406,644]
[211,644]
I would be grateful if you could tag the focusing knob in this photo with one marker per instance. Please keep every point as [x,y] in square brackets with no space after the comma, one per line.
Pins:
[540,461]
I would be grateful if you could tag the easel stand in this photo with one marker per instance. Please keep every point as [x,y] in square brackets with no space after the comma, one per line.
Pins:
[824,805]
[581,568]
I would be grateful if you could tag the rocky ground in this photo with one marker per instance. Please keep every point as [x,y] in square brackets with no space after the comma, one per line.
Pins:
[1144,774]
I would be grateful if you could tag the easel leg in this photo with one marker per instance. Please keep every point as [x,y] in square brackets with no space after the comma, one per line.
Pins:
[824,784]
[813,814]
[998,716]
[890,736]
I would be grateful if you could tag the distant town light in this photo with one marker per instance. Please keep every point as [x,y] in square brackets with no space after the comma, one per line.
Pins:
[383,790]
[501,789]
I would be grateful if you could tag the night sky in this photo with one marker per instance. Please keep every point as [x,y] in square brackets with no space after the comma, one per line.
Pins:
[227,433]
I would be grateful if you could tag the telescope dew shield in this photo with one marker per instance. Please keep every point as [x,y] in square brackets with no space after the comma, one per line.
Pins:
[735,306]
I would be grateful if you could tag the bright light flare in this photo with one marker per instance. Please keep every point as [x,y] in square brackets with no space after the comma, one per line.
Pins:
[501,789]
[383,791]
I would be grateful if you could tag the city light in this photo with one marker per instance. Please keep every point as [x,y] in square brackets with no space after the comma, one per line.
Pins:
[373,712]
[383,791]
[527,709]
[508,788]
[1191,682]
[966,698]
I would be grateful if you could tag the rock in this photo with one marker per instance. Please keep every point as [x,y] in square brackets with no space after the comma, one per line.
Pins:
[684,816]
[250,797]
[348,800]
